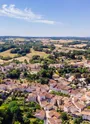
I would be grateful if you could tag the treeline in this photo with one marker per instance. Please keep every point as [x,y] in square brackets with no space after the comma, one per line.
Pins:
[72,43]
[22,51]
[44,48]
[73,54]
[69,69]
[6,46]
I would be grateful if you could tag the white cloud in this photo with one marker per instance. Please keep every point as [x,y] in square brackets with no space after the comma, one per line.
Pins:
[45,21]
[26,14]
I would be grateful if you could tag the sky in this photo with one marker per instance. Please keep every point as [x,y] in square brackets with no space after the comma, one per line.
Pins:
[45,18]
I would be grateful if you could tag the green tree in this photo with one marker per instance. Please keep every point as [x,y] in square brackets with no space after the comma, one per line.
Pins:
[14,110]
[64,116]
[78,120]
[15,73]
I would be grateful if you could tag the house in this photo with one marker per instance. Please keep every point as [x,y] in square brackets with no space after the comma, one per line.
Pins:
[22,66]
[65,89]
[78,64]
[41,97]
[53,113]
[61,88]
[40,114]
[44,88]
[31,98]
[43,103]
[87,64]
[52,83]
[3,87]
[76,93]
[30,89]
[54,121]
[59,100]
[48,107]
[34,67]
[8,81]
[63,81]
[53,117]
[54,100]
[12,87]
[48,96]
[55,76]
[78,104]
[87,95]
[51,121]
[56,65]
[71,78]
[69,107]
[86,115]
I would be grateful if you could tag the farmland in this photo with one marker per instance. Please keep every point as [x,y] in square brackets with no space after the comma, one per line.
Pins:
[22,58]
[7,53]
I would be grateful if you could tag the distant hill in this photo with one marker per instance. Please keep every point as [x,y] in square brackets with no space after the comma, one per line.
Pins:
[52,38]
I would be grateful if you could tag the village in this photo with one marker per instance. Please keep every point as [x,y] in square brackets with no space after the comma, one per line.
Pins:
[56,95]
[47,80]
[44,62]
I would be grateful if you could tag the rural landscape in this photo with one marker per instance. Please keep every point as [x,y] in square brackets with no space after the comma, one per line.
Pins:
[44,61]
[44,80]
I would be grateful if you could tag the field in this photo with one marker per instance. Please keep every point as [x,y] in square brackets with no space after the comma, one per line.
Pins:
[2,42]
[20,39]
[62,41]
[67,49]
[7,53]
[27,57]
[58,46]
[79,45]
[65,41]
[33,52]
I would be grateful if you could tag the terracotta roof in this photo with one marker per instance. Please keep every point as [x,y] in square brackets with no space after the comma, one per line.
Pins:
[51,81]
[75,92]
[88,93]
[49,96]
[78,103]
[49,106]
[55,121]
[68,104]
[40,114]
[86,112]
[44,103]
[53,113]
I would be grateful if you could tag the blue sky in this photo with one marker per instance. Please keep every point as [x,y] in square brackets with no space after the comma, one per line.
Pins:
[45,17]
